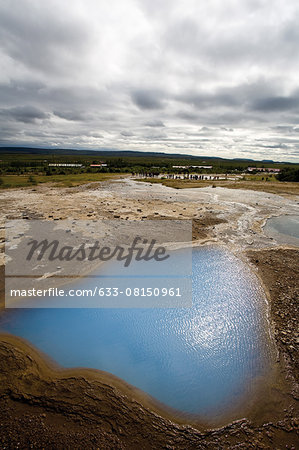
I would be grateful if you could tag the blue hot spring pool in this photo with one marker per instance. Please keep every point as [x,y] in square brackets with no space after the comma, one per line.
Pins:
[201,360]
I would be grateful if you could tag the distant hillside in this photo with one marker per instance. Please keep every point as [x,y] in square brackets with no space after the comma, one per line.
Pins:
[121,154]
[118,153]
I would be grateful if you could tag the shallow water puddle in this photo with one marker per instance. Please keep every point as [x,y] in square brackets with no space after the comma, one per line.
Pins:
[284,229]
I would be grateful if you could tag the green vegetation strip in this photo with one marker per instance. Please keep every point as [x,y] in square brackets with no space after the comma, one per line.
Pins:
[71,180]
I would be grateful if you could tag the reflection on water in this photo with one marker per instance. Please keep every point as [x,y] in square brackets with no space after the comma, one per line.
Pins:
[199,360]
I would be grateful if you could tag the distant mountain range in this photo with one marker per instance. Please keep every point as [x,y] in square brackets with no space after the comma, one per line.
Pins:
[121,153]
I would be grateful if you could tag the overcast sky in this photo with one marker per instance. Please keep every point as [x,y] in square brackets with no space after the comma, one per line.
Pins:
[202,77]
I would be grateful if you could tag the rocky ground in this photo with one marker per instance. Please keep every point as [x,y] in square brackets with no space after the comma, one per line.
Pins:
[229,216]
[279,271]
[43,407]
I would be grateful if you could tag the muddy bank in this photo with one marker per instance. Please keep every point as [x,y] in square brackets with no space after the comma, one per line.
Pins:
[41,406]
[278,270]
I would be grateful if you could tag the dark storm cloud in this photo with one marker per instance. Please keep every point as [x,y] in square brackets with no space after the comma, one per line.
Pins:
[26,114]
[210,100]
[274,104]
[283,128]
[70,115]
[147,99]
[127,133]
[14,91]
[155,136]
[287,133]
[187,116]
[246,95]
[154,123]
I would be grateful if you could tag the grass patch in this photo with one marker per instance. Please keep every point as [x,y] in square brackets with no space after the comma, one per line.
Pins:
[71,180]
